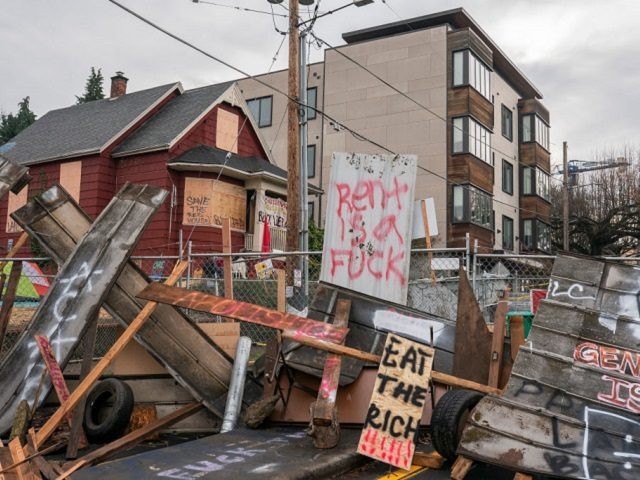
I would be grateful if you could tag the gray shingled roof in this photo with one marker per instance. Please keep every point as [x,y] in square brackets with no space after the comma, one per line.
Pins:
[203,155]
[161,129]
[80,129]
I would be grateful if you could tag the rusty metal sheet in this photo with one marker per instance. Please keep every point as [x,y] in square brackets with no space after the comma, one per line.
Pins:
[245,312]
[367,237]
[369,321]
[472,356]
[76,293]
[571,406]
[182,348]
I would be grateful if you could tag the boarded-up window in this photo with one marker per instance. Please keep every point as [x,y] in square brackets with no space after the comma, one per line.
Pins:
[207,202]
[227,131]
[15,202]
[70,174]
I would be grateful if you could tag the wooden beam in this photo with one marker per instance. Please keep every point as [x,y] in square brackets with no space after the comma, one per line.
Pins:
[23,471]
[132,438]
[49,427]
[517,335]
[324,427]
[16,248]
[9,297]
[427,239]
[460,468]
[281,277]
[431,459]
[76,436]
[497,340]
[246,312]
[227,268]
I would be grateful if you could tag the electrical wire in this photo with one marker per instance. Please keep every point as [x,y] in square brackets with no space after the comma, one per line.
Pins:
[337,123]
[235,7]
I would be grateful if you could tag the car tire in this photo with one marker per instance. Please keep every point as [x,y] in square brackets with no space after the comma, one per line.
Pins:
[108,410]
[448,420]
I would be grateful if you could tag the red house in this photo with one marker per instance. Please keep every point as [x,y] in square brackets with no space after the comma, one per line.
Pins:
[202,145]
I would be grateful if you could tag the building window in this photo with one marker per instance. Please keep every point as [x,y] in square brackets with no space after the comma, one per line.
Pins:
[536,235]
[471,137]
[312,101]
[507,233]
[261,110]
[311,211]
[535,129]
[469,70]
[507,123]
[507,177]
[535,182]
[311,161]
[472,205]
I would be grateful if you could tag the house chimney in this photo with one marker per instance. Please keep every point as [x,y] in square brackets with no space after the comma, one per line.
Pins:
[118,85]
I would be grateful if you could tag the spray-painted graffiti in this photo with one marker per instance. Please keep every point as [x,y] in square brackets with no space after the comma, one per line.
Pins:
[575,291]
[368,231]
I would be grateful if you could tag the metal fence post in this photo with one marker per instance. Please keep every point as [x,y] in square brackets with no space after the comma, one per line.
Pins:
[467,245]
[475,266]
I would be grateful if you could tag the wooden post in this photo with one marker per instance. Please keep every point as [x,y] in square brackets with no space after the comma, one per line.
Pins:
[88,344]
[497,341]
[16,248]
[226,248]
[517,335]
[8,298]
[49,427]
[325,428]
[282,301]
[293,143]
[460,468]
[23,471]
[427,238]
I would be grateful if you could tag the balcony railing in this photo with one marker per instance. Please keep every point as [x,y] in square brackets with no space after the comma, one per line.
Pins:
[278,239]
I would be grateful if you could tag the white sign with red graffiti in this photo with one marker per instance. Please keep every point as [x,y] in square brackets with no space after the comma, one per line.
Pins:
[367,238]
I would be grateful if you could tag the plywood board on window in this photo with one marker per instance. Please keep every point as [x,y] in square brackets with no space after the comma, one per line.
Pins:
[70,176]
[207,201]
[227,131]
[16,201]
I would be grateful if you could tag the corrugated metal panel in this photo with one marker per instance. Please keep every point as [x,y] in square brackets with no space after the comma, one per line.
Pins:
[367,236]
[571,406]
[76,293]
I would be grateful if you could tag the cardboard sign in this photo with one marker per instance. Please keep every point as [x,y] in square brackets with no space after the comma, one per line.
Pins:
[367,237]
[399,396]
[207,202]
[264,268]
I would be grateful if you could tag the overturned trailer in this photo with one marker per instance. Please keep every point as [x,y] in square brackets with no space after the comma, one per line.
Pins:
[571,406]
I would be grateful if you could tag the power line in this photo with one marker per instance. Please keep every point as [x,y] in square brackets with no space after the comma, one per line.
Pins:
[353,132]
[235,7]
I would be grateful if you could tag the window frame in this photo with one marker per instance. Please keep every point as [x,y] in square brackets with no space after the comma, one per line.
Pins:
[468,194]
[311,207]
[260,101]
[538,131]
[508,245]
[532,186]
[478,146]
[504,163]
[311,112]
[475,73]
[311,172]
[509,134]
[538,228]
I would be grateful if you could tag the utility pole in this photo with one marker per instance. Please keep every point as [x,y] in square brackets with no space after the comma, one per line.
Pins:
[293,146]
[565,198]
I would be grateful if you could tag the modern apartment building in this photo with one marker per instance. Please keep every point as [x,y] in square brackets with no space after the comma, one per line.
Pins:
[452,98]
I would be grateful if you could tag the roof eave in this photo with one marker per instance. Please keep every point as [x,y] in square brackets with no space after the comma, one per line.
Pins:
[76,154]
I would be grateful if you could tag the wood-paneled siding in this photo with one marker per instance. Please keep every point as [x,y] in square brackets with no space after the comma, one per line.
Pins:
[467,38]
[533,105]
[532,206]
[466,100]
[531,153]
[458,234]
[466,168]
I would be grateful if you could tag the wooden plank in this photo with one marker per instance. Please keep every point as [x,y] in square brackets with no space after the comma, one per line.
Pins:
[281,277]
[497,341]
[16,248]
[460,468]
[9,297]
[398,399]
[6,462]
[227,268]
[246,312]
[517,335]
[427,239]
[19,458]
[473,340]
[431,459]
[325,427]
[77,438]
[522,476]
[131,439]
[48,428]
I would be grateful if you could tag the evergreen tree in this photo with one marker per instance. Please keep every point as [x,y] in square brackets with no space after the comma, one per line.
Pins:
[93,88]
[11,125]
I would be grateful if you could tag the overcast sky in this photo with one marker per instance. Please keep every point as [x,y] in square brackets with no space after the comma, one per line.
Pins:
[583,55]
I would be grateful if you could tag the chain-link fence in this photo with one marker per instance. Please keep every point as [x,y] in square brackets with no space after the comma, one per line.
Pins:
[433,284]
